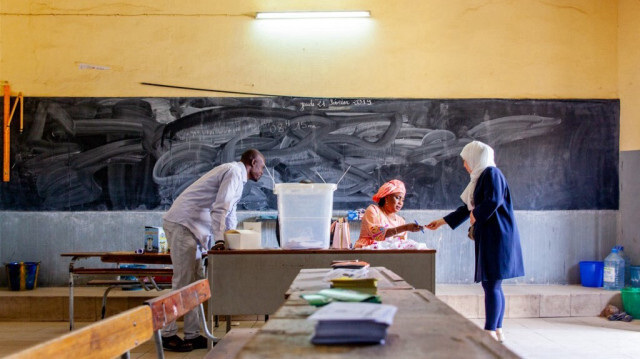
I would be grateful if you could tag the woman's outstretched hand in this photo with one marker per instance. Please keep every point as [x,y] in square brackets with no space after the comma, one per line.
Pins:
[436,224]
[413,227]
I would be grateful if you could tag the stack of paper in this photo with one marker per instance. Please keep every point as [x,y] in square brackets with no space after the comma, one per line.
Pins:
[352,323]
[351,264]
[366,285]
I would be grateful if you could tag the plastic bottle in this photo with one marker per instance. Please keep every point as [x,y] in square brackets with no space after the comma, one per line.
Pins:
[613,278]
[627,266]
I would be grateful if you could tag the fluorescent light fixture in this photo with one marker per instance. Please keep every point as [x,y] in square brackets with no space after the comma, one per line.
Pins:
[312,14]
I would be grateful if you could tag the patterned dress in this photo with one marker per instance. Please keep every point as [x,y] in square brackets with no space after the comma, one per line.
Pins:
[375,224]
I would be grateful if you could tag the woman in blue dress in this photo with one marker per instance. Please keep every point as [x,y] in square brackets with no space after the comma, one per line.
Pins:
[488,204]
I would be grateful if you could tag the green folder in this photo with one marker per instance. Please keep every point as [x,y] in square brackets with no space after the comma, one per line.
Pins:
[326,296]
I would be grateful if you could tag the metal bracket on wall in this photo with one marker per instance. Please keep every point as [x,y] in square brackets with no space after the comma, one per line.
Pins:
[7,127]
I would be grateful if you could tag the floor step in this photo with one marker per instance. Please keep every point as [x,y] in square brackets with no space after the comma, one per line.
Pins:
[522,301]
[51,304]
[531,301]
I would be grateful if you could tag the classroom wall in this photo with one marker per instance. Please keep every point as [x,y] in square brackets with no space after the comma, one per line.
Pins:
[629,90]
[567,49]
[552,245]
[629,73]
[411,48]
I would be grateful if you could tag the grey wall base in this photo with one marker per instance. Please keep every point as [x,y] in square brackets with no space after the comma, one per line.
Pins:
[554,242]
[629,227]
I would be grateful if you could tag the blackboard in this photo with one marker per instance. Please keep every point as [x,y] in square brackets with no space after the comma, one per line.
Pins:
[140,153]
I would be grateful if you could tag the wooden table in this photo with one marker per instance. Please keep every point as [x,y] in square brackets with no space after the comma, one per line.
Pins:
[423,327]
[312,280]
[253,282]
[118,258]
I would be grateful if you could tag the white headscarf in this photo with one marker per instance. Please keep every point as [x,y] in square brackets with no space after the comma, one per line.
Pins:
[479,156]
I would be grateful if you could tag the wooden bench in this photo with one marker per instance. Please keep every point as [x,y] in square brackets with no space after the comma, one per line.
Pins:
[126,284]
[173,305]
[106,338]
[144,278]
[117,258]
[231,343]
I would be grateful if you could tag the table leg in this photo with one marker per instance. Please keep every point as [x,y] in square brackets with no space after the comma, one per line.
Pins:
[209,306]
[71,296]
[157,338]
[209,321]
[104,300]
[211,339]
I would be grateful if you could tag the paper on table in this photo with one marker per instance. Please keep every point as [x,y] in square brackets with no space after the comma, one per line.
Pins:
[353,264]
[347,272]
[380,313]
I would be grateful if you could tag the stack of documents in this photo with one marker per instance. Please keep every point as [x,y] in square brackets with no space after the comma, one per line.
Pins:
[350,264]
[352,323]
[365,285]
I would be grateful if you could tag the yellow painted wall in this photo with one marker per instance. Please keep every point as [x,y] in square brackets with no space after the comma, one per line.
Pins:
[410,48]
[629,74]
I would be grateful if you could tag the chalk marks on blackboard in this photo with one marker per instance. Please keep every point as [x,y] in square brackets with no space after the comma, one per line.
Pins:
[512,128]
[61,156]
[112,153]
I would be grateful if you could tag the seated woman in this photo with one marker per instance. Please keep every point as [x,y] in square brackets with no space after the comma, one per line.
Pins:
[381,221]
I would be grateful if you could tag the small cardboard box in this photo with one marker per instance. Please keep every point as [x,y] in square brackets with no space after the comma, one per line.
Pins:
[155,241]
[242,239]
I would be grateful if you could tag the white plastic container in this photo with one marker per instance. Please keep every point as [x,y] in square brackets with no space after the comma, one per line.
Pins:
[242,239]
[304,213]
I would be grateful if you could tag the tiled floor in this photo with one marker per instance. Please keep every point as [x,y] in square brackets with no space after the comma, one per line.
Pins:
[572,337]
[574,332]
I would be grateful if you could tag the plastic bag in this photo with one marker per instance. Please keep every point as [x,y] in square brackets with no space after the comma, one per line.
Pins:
[340,234]
[395,243]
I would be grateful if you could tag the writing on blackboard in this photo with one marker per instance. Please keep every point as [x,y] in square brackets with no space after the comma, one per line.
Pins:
[328,103]
[280,127]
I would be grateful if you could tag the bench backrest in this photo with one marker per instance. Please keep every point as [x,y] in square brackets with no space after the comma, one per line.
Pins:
[173,305]
[107,338]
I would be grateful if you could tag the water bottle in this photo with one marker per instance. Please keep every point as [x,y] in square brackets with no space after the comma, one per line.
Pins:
[627,266]
[613,278]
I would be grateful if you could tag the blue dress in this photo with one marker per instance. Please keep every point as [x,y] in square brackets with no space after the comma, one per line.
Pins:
[497,240]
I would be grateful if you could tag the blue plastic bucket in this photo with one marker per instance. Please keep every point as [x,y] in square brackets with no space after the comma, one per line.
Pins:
[131,277]
[22,275]
[591,273]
